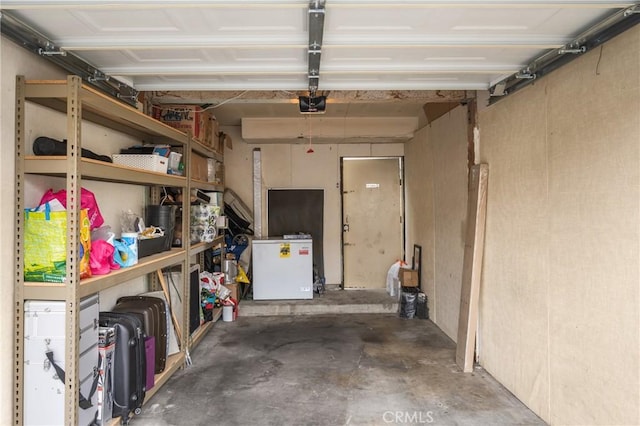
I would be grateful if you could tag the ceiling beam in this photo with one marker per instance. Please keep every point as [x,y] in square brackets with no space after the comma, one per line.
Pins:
[328,129]
[283,97]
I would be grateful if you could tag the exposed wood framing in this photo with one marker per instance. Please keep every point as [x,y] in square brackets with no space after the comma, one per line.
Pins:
[336,96]
[472,266]
[472,113]
[435,110]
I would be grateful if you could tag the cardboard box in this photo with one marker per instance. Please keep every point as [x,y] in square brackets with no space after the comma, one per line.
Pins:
[211,170]
[189,118]
[408,277]
[219,174]
[215,171]
[235,290]
[199,167]
[215,140]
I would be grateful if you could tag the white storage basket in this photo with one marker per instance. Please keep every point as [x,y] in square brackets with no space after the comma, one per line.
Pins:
[154,162]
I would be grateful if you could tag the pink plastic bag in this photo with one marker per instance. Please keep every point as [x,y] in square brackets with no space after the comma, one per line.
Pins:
[87,201]
[101,258]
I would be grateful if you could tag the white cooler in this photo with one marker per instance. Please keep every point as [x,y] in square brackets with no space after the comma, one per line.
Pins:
[45,330]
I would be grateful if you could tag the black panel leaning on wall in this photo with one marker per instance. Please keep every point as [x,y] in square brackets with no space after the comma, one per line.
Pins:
[291,211]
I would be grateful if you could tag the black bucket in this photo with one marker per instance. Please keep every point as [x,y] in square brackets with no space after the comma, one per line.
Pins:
[163,217]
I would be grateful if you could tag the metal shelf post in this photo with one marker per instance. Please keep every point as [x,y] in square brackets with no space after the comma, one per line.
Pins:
[74,184]
[18,358]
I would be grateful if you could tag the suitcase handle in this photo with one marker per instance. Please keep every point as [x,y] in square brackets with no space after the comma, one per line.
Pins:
[84,402]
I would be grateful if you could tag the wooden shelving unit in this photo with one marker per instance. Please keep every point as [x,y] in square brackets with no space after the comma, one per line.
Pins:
[80,103]
[207,186]
[200,247]
[197,335]
[147,265]
[207,151]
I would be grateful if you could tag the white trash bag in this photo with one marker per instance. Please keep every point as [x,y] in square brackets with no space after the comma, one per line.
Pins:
[392,277]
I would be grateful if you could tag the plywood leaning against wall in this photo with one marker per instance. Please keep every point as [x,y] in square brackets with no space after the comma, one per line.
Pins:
[472,267]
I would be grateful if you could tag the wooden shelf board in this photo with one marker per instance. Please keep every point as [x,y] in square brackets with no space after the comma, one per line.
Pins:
[100,170]
[197,335]
[218,241]
[148,264]
[209,186]
[174,363]
[199,248]
[207,151]
[200,333]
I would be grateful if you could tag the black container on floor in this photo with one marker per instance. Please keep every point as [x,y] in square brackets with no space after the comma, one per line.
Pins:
[408,298]
[422,310]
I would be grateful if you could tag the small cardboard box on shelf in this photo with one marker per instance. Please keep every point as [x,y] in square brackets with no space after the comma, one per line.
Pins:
[199,167]
[200,122]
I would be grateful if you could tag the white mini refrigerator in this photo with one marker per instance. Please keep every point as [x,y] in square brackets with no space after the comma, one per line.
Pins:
[282,269]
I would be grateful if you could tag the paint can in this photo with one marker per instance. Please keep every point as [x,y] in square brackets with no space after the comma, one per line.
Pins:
[227,313]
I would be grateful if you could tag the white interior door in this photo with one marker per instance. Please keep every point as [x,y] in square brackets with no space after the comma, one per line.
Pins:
[372,212]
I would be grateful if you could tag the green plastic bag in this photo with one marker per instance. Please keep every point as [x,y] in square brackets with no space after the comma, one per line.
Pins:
[45,245]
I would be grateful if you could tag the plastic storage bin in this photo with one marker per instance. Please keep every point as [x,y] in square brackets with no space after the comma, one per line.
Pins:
[152,163]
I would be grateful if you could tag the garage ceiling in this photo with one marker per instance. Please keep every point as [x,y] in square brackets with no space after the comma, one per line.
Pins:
[262,45]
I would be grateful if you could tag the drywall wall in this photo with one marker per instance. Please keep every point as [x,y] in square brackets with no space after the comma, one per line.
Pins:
[560,297]
[449,137]
[419,210]
[17,61]
[290,166]
[436,191]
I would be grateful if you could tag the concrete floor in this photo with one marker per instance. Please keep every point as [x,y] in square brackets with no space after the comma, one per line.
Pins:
[358,369]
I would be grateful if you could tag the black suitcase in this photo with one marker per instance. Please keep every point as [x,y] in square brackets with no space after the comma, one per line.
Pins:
[154,315]
[129,366]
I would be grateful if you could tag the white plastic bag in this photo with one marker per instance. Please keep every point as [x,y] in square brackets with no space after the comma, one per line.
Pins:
[392,277]
[223,292]
[211,280]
